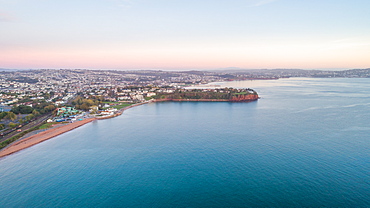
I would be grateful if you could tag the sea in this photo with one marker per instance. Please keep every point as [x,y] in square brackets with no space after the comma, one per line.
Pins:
[304,143]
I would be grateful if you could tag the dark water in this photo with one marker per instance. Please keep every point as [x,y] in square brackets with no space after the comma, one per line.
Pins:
[305,143]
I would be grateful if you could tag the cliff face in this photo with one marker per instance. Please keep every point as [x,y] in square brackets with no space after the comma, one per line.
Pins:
[192,100]
[244,98]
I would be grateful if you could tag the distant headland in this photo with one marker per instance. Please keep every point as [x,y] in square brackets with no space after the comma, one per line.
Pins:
[209,95]
[67,118]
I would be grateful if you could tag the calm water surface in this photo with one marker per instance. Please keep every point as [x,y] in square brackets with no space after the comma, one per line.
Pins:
[305,143]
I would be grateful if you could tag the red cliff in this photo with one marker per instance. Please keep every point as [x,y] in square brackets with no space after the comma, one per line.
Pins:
[244,98]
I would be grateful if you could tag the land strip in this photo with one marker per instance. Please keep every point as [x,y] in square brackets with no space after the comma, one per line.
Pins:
[217,95]
[53,132]
[40,137]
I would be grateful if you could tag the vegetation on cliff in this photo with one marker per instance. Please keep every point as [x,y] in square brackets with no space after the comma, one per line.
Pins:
[229,94]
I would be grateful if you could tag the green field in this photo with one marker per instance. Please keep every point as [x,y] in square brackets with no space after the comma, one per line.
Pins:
[119,105]
[241,93]
[48,125]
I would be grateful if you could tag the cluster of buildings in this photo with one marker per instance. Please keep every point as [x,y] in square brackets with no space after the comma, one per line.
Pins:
[60,86]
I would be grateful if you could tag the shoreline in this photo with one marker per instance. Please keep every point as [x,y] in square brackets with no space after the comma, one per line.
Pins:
[120,111]
[207,100]
[42,136]
[53,132]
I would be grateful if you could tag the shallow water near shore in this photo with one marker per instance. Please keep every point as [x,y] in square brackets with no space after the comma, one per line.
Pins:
[305,143]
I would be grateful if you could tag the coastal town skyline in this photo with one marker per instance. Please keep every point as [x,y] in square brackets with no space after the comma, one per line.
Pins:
[178,35]
[71,138]
[31,100]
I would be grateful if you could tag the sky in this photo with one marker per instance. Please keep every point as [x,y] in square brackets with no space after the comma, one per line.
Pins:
[184,34]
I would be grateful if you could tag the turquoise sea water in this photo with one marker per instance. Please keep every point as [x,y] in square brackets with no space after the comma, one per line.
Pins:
[305,143]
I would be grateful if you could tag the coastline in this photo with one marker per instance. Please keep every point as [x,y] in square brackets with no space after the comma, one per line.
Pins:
[119,112]
[40,137]
[53,132]
[240,98]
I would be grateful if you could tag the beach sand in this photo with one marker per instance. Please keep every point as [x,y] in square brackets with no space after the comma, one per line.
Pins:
[48,134]
[40,137]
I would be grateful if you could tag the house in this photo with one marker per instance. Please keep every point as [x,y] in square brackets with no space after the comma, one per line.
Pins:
[66,111]
[5,108]
[94,109]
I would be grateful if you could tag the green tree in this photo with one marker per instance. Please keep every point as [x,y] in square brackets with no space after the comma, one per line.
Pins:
[35,113]
[49,108]
[11,116]
[84,106]
[12,125]
[3,114]
[22,109]
[29,117]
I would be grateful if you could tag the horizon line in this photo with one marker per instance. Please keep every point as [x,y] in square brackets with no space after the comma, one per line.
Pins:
[184,69]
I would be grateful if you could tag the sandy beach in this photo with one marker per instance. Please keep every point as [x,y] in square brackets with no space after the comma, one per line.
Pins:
[48,134]
[40,137]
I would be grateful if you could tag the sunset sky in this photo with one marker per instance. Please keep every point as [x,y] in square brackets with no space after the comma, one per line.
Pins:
[184,34]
